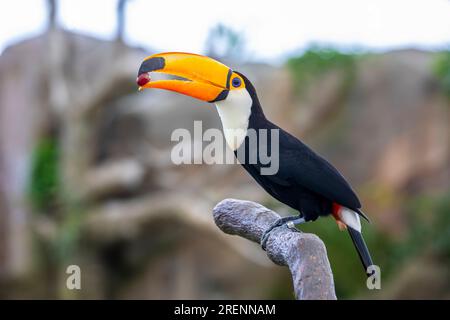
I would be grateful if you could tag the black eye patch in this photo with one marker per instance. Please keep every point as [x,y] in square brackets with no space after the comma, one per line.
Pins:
[236,82]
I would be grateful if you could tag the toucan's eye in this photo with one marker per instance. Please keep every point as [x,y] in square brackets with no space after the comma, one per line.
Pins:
[236,82]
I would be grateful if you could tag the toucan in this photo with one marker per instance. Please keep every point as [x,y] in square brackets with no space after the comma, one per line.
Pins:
[304,181]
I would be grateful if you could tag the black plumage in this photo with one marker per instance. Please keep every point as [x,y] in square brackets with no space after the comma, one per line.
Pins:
[305,181]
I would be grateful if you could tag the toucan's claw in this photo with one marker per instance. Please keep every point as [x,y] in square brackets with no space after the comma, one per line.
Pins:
[290,222]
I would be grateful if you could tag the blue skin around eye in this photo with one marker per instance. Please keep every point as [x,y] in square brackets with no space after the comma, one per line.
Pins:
[236,82]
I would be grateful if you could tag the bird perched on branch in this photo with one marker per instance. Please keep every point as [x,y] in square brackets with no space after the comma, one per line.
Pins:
[304,180]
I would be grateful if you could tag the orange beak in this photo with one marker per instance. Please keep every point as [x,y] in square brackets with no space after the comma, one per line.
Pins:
[203,78]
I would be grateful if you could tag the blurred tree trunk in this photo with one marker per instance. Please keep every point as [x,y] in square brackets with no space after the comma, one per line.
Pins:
[52,13]
[121,6]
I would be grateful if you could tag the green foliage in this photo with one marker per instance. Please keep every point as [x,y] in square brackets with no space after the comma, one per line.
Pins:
[429,232]
[348,271]
[317,61]
[430,226]
[441,69]
[441,242]
[44,179]
[47,197]
[68,237]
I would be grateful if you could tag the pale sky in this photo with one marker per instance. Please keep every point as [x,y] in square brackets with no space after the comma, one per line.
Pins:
[272,28]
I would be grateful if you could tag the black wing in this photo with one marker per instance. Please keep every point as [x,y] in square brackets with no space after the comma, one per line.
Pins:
[300,165]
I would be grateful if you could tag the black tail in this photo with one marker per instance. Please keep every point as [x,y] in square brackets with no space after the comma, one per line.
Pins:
[361,248]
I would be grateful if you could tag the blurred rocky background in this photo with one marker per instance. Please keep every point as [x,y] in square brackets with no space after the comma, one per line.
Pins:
[86,176]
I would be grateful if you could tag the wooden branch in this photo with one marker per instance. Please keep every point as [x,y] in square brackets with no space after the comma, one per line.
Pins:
[303,253]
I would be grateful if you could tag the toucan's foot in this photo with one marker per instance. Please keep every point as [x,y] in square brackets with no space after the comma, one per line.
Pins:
[290,221]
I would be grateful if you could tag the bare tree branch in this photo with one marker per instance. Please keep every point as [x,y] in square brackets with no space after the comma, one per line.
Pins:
[303,253]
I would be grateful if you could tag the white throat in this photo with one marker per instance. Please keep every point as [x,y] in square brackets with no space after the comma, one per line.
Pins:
[234,113]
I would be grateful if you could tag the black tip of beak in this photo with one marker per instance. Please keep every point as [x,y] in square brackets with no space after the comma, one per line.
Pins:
[151,64]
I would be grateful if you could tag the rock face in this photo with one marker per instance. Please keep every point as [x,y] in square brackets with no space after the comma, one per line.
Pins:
[146,230]
[114,161]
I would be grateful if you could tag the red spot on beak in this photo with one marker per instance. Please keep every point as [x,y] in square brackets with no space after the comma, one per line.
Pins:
[143,79]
